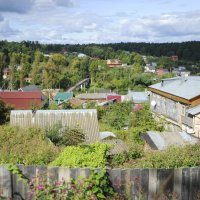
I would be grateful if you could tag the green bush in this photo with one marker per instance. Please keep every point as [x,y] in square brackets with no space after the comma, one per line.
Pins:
[116,115]
[140,122]
[188,156]
[65,136]
[136,151]
[93,155]
[25,146]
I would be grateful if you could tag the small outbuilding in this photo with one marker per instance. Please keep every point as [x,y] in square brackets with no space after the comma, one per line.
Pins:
[163,140]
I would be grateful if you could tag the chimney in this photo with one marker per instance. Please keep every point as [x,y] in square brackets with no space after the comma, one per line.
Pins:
[183,78]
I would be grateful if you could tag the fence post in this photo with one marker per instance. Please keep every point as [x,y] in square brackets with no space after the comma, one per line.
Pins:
[5,182]
[177,182]
[185,183]
[152,183]
[194,183]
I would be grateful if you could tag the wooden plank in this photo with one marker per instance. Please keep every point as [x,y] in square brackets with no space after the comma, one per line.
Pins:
[136,183]
[5,182]
[165,178]
[177,182]
[19,186]
[30,173]
[170,96]
[194,183]
[116,179]
[144,173]
[52,174]
[185,184]
[152,183]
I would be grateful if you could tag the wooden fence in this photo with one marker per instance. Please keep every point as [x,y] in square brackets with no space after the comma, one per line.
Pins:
[184,183]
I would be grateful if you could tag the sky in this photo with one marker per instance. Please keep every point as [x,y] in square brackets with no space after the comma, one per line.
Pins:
[100,21]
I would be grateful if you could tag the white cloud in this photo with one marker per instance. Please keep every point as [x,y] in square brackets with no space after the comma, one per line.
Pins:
[168,25]
[6,30]
[49,21]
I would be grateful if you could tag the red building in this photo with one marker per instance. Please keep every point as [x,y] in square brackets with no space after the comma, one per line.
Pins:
[112,97]
[22,100]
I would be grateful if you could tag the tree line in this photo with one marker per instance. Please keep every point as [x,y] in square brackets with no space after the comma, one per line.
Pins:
[185,50]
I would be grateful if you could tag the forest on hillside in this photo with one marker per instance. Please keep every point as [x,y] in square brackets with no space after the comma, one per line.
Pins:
[186,50]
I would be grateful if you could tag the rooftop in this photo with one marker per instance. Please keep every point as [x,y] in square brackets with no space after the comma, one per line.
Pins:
[138,97]
[163,140]
[85,120]
[30,88]
[184,87]
[20,95]
[63,96]
[195,110]
[92,96]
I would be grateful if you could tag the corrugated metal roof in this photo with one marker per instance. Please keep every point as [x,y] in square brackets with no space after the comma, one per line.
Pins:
[20,95]
[92,96]
[30,88]
[63,96]
[163,140]
[138,97]
[118,146]
[184,87]
[195,110]
[85,120]
[157,139]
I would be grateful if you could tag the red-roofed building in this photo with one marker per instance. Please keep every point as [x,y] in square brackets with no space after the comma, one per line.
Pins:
[22,100]
[118,98]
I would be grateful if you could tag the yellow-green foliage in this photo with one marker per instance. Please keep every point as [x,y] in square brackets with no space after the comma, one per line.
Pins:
[25,146]
[93,155]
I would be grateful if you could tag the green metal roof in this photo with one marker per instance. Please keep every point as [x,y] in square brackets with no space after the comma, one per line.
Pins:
[63,96]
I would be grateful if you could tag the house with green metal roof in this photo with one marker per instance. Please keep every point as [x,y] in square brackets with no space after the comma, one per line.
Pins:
[62,97]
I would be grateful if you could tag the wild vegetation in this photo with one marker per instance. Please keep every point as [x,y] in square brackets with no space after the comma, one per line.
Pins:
[54,146]
[94,155]
[29,146]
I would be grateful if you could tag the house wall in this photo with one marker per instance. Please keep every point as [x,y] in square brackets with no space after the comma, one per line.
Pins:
[176,115]
[197,125]
[167,107]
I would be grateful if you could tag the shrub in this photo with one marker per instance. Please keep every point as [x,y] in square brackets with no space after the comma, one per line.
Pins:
[4,112]
[140,122]
[188,156]
[25,146]
[65,136]
[136,151]
[93,155]
[116,115]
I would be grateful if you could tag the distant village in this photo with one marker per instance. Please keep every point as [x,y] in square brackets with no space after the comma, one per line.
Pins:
[176,100]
